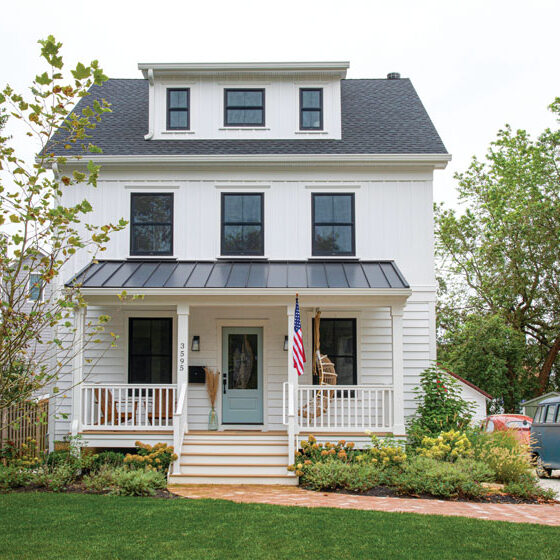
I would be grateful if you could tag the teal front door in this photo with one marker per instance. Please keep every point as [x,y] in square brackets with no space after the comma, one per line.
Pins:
[242,393]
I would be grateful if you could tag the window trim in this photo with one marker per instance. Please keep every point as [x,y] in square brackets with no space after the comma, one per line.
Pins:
[223,224]
[132,224]
[302,109]
[251,107]
[187,109]
[129,354]
[317,253]
[355,345]
[41,297]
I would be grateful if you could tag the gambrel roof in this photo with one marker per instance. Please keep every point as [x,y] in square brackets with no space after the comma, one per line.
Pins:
[378,117]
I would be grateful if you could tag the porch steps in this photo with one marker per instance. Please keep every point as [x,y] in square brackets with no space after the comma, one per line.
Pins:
[234,458]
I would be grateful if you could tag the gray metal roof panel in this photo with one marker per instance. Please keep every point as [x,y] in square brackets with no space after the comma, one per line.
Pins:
[378,117]
[237,274]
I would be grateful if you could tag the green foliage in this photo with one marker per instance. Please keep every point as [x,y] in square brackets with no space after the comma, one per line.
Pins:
[440,407]
[157,457]
[43,233]
[384,452]
[498,256]
[12,476]
[528,488]
[108,458]
[448,446]
[492,355]
[424,475]
[333,474]
[137,482]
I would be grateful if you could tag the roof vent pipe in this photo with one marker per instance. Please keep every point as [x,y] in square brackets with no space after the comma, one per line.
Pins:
[393,76]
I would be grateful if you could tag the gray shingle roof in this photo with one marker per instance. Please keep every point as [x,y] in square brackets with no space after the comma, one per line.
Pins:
[378,117]
[241,274]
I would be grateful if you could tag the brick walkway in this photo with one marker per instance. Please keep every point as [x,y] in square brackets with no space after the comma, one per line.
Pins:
[545,514]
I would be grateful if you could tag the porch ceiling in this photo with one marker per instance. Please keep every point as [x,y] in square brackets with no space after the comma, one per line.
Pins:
[316,274]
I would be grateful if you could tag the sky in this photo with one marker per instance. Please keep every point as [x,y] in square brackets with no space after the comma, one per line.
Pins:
[475,64]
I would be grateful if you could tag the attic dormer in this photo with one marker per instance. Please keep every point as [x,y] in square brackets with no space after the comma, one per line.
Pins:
[268,100]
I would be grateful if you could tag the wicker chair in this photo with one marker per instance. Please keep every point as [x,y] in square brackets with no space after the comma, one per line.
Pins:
[322,396]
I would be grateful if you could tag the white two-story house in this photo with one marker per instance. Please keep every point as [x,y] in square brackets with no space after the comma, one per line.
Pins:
[245,184]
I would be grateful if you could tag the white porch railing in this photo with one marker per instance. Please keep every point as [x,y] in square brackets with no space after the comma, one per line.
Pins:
[341,407]
[121,406]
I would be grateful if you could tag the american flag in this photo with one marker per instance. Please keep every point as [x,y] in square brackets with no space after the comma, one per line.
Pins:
[298,351]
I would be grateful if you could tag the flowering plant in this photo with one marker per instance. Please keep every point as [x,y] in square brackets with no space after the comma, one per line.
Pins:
[384,452]
[448,446]
[151,458]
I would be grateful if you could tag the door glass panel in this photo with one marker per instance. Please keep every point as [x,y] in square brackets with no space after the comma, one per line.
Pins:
[242,361]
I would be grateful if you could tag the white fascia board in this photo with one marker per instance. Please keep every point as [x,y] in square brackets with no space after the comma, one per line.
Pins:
[391,292]
[437,161]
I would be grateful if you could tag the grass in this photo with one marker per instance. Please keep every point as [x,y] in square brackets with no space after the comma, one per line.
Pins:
[40,525]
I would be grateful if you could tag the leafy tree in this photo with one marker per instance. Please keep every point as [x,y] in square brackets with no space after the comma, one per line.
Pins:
[440,406]
[42,234]
[491,354]
[501,255]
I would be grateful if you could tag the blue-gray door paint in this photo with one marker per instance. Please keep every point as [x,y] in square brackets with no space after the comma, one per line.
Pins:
[545,432]
[242,383]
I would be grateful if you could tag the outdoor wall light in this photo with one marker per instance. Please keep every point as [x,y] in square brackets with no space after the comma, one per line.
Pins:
[195,344]
[286,343]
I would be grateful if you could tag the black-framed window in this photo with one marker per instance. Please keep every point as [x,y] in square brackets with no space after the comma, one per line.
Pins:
[242,224]
[333,224]
[150,350]
[151,224]
[178,108]
[244,107]
[311,109]
[337,339]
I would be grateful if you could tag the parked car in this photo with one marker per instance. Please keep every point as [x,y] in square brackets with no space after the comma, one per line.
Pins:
[545,436]
[519,423]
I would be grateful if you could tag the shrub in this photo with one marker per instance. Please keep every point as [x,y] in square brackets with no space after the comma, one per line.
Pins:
[424,475]
[333,474]
[384,452]
[57,477]
[529,489]
[440,407]
[100,480]
[314,452]
[137,482]
[12,476]
[448,446]
[157,457]
[108,458]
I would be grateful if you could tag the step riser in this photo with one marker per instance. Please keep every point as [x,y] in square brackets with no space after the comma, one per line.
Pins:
[174,479]
[240,449]
[234,459]
[254,470]
[236,439]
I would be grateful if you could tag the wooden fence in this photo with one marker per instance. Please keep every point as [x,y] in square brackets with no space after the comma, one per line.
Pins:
[23,421]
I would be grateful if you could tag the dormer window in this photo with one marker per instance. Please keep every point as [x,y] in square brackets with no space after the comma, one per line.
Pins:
[178,110]
[244,107]
[311,109]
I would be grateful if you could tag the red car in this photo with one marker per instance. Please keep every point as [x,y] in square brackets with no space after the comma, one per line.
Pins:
[520,424]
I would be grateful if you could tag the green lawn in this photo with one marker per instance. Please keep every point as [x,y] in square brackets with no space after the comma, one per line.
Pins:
[85,526]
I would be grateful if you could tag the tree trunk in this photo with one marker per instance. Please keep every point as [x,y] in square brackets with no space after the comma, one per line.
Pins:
[544,374]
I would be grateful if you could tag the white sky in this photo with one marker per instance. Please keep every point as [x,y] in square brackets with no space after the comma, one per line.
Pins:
[476,64]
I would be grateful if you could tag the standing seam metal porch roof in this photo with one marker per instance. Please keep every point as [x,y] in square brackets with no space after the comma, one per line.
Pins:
[123,274]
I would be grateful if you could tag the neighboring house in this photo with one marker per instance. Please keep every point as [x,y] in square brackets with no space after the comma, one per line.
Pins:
[529,407]
[475,395]
[244,184]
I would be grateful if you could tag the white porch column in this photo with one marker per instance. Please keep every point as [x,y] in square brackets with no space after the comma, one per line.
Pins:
[398,370]
[77,368]
[292,386]
[183,312]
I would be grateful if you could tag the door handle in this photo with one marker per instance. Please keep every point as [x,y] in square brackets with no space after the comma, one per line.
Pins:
[224,381]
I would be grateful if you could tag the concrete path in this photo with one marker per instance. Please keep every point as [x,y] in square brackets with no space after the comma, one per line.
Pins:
[552,483]
[545,514]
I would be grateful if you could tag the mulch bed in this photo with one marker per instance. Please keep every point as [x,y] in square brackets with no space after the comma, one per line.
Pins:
[80,489]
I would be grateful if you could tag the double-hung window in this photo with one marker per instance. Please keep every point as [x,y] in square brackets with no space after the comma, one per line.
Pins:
[35,287]
[333,224]
[244,107]
[151,224]
[337,339]
[150,350]
[242,224]
[178,109]
[310,109]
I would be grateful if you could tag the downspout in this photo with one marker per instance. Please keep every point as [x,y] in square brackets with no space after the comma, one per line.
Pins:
[151,115]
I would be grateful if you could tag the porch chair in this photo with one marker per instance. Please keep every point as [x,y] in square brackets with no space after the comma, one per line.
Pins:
[323,397]
[161,398]
[109,409]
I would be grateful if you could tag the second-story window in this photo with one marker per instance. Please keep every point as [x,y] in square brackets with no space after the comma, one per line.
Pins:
[244,107]
[333,225]
[310,109]
[35,287]
[151,224]
[178,110]
[242,224]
